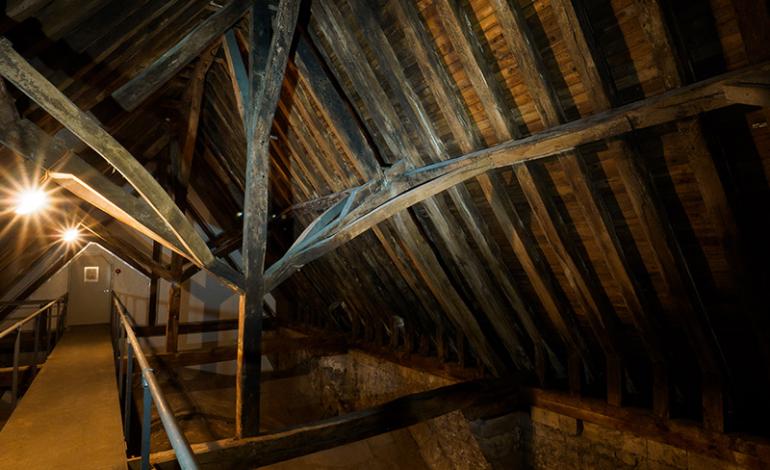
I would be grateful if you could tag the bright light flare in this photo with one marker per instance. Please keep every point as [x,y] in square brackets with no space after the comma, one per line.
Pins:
[70,235]
[30,201]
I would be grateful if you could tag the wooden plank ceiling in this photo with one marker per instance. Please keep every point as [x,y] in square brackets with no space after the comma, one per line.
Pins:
[632,268]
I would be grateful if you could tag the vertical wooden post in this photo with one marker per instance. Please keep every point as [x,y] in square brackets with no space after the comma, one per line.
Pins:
[174,304]
[152,308]
[266,70]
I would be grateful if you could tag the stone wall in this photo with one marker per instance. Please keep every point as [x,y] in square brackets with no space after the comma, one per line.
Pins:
[357,380]
[542,439]
[535,439]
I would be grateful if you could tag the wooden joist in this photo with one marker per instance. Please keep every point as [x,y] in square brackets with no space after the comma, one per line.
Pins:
[325,434]
[205,326]
[131,94]
[314,346]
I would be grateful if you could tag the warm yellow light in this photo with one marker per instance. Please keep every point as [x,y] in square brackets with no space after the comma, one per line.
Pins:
[30,201]
[70,235]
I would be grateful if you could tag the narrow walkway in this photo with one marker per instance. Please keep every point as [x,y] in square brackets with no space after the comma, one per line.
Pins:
[70,416]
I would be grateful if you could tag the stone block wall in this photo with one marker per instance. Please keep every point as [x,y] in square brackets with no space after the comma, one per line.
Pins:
[542,439]
[357,380]
[534,439]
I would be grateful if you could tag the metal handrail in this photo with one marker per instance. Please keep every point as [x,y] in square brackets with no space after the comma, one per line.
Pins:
[28,318]
[152,393]
[17,326]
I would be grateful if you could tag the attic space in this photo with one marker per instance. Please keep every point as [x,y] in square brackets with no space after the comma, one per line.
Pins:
[384,234]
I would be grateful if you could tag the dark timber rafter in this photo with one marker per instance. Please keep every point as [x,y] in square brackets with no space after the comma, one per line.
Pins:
[666,250]
[491,94]
[519,40]
[69,171]
[398,143]
[377,200]
[172,61]
[718,209]
[267,67]
[518,37]
[18,71]
[416,260]
[459,122]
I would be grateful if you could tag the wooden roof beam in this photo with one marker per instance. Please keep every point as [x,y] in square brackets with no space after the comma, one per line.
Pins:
[415,261]
[18,71]
[460,122]
[325,434]
[398,142]
[132,93]
[377,200]
[412,106]
[517,36]
[534,74]
[718,209]
[666,248]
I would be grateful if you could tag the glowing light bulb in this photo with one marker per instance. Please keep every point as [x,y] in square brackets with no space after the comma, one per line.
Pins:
[30,201]
[70,235]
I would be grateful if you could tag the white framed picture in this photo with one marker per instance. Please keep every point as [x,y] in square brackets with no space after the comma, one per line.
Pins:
[91,274]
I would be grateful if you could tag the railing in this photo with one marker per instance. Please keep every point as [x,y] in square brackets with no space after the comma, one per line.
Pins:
[54,310]
[128,349]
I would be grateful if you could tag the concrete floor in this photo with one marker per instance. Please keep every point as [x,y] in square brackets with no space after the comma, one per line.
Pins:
[70,416]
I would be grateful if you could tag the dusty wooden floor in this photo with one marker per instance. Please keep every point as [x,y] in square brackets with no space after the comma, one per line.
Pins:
[70,417]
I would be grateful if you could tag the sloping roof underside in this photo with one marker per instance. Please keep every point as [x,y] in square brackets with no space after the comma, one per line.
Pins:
[558,248]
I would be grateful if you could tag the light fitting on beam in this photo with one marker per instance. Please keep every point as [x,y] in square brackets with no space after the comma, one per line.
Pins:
[70,235]
[31,200]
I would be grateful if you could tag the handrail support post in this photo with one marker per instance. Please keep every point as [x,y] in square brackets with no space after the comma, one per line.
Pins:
[129,389]
[15,383]
[146,419]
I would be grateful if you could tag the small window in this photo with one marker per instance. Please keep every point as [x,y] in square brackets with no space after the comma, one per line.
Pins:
[91,274]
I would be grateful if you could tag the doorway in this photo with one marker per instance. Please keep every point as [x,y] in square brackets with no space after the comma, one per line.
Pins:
[90,290]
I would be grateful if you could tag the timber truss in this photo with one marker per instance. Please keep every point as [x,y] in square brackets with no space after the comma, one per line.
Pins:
[425,182]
